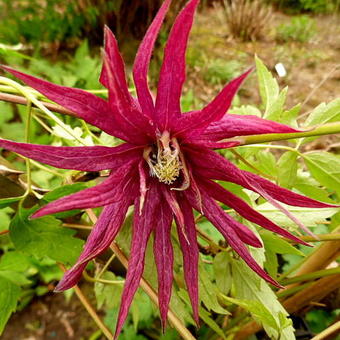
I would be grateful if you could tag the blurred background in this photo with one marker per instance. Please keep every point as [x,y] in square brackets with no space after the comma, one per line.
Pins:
[60,40]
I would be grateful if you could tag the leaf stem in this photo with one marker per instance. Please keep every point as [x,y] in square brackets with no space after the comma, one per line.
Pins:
[93,279]
[324,237]
[311,276]
[30,97]
[326,129]
[27,140]
[90,309]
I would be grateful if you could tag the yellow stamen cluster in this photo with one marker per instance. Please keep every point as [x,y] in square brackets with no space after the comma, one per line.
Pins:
[167,168]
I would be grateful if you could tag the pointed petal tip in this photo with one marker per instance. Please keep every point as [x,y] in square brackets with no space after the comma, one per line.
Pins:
[36,214]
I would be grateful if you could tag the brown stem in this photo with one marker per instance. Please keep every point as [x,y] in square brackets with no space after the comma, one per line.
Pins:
[325,254]
[331,330]
[90,309]
[23,101]
[4,232]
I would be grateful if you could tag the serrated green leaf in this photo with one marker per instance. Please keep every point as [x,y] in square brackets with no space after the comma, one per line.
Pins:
[222,271]
[324,113]
[266,162]
[181,308]
[325,168]
[269,88]
[257,309]
[64,191]
[271,263]
[289,116]
[309,186]
[208,292]
[245,110]
[275,110]
[287,169]
[9,295]
[278,245]
[107,294]
[204,315]
[310,217]
[248,286]
[14,260]
[14,277]
[44,237]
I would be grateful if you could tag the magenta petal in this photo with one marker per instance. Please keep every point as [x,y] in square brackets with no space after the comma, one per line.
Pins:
[85,105]
[172,74]
[245,234]
[109,191]
[83,158]
[116,61]
[190,252]
[102,235]
[164,259]
[219,193]
[126,114]
[142,61]
[216,215]
[242,125]
[142,227]
[214,111]
[224,170]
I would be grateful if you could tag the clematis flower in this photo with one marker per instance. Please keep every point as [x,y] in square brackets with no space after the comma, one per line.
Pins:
[166,166]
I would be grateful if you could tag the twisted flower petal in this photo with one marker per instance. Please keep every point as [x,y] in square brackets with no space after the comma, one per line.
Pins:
[82,158]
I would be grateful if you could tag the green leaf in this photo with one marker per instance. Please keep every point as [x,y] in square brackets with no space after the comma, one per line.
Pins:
[248,286]
[278,245]
[64,191]
[208,292]
[108,295]
[324,113]
[245,110]
[287,169]
[204,315]
[5,202]
[269,88]
[266,162]
[310,187]
[271,263]
[9,295]
[44,237]
[14,277]
[325,168]
[222,271]
[12,267]
[13,260]
[289,116]
[275,111]
[257,309]
[311,217]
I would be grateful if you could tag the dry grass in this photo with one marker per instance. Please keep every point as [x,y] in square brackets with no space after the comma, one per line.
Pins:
[247,19]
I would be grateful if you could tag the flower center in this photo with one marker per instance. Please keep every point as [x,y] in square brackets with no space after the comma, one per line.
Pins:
[167,168]
[163,159]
